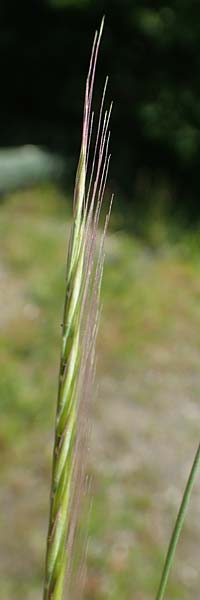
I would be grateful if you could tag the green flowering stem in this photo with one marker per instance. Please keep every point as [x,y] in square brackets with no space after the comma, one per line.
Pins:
[78,343]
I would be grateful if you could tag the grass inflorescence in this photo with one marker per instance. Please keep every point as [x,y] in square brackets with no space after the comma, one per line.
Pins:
[79,329]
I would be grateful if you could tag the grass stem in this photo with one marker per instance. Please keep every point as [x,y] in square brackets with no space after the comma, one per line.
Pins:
[178,526]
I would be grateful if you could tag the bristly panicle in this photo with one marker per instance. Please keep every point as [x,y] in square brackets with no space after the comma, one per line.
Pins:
[80,325]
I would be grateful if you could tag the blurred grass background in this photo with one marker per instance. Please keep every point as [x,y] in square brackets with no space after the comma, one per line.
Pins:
[145,416]
[146,412]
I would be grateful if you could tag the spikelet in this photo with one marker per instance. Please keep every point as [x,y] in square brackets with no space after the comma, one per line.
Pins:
[79,330]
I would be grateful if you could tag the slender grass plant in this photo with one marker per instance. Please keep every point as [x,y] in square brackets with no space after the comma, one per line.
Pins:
[77,362]
[79,330]
[169,561]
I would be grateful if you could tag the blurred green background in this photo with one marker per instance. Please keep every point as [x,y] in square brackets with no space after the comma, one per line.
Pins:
[151,52]
[146,412]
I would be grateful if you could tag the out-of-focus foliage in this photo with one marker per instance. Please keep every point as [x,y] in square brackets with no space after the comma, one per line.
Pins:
[152,53]
[63,3]
[146,418]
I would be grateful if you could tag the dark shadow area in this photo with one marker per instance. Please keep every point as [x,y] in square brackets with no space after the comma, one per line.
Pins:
[152,54]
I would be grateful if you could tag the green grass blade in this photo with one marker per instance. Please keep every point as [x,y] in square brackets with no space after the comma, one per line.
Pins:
[178,526]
